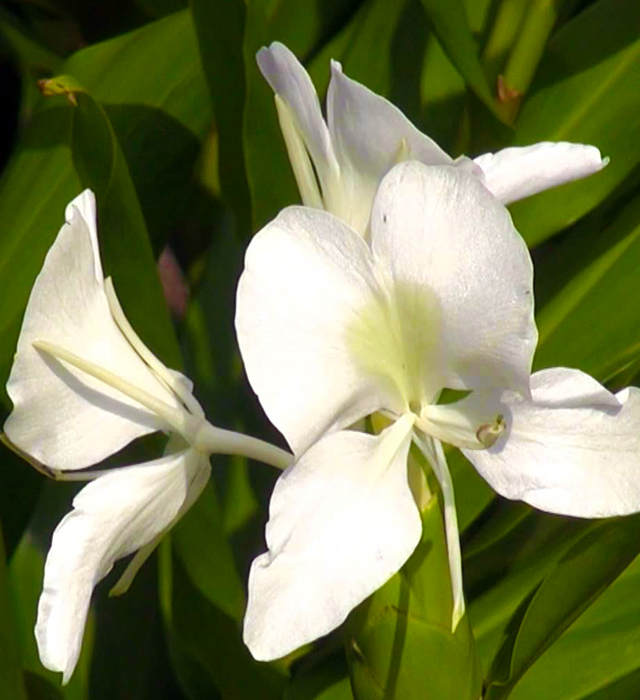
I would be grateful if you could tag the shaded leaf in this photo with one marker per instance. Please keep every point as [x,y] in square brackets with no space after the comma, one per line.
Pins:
[579,578]
[589,323]
[12,683]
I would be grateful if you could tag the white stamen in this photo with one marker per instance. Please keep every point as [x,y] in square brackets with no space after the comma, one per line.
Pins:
[434,452]
[179,419]
[163,373]
[298,157]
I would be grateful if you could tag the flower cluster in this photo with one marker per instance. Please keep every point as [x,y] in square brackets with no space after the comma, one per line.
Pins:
[401,277]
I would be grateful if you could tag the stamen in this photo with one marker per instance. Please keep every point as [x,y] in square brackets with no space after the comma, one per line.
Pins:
[298,157]
[489,433]
[454,425]
[433,451]
[170,380]
[182,422]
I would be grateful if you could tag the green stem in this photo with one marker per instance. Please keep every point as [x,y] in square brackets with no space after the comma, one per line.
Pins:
[503,35]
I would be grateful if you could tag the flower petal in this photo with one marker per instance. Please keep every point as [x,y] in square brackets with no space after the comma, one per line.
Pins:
[290,80]
[444,236]
[63,417]
[370,135]
[572,449]
[307,277]
[112,517]
[342,521]
[516,173]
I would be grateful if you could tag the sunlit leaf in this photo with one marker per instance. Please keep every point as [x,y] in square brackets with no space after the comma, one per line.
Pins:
[585,96]
[578,579]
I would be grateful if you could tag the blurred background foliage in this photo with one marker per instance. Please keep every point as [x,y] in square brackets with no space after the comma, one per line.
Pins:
[174,128]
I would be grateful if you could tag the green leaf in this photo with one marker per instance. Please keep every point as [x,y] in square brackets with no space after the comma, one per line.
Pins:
[209,563]
[472,492]
[450,24]
[579,578]
[126,250]
[326,679]
[598,657]
[503,573]
[220,28]
[399,640]
[40,178]
[11,680]
[304,24]
[363,46]
[586,97]
[40,689]
[215,641]
[26,572]
[263,145]
[596,266]
[21,486]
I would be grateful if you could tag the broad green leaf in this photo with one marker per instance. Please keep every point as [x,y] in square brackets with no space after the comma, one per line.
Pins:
[40,689]
[21,486]
[34,61]
[304,24]
[213,362]
[586,97]
[504,518]
[502,575]
[129,645]
[399,640]
[215,641]
[450,24]
[579,578]
[26,571]
[598,657]
[263,145]
[125,246]
[40,179]
[326,679]
[363,46]
[589,323]
[220,29]
[472,492]
[12,683]
[209,562]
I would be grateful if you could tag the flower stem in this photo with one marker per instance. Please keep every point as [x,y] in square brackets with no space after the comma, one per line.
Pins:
[220,441]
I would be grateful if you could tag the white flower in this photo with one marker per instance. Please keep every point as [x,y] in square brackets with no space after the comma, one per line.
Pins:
[365,135]
[84,385]
[333,328]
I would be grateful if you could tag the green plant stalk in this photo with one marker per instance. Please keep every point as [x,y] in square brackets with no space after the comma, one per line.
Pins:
[503,34]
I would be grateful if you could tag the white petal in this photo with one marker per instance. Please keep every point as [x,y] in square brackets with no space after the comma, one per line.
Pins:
[290,80]
[112,517]
[342,521]
[61,416]
[307,277]
[516,173]
[369,135]
[445,237]
[573,449]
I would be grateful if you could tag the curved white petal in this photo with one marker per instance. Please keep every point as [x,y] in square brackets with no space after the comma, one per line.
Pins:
[113,516]
[307,278]
[445,237]
[63,417]
[370,135]
[291,82]
[573,449]
[516,173]
[342,521]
